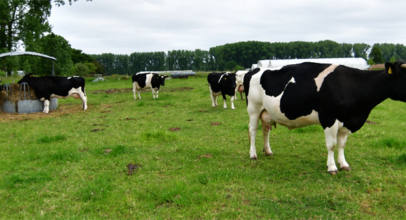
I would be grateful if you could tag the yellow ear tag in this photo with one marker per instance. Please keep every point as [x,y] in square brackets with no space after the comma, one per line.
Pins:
[390,70]
[225,78]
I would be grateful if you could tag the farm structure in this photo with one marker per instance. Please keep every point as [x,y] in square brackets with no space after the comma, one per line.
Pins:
[358,63]
[20,98]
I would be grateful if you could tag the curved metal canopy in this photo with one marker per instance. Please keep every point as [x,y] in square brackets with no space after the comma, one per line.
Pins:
[30,53]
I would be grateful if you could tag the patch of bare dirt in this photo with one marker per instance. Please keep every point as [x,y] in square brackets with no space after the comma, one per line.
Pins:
[62,110]
[174,129]
[126,90]
[215,123]
[178,89]
[371,122]
[204,155]
[132,167]
[112,91]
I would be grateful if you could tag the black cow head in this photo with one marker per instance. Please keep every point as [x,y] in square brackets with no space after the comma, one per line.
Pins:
[228,81]
[398,67]
[25,78]
[163,78]
[398,71]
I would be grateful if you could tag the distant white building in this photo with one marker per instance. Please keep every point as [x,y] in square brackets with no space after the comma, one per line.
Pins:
[359,63]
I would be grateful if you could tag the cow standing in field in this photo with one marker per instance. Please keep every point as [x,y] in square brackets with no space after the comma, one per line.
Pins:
[239,79]
[47,87]
[223,83]
[338,98]
[147,80]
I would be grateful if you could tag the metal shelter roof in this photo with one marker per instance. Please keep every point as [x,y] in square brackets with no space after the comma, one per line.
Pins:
[30,53]
[354,62]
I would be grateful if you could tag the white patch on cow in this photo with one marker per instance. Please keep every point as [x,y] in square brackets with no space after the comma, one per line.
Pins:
[148,81]
[239,80]
[320,78]
[69,77]
[75,93]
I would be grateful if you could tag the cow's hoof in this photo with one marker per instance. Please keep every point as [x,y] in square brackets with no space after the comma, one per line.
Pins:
[345,168]
[254,158]
[334,172]
[270,155]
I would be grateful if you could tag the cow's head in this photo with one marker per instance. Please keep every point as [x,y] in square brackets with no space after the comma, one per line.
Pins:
[25,78]
[163,78]
[228,80]
[398,71]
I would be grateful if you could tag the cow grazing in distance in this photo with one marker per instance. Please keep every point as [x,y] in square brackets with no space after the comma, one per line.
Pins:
[338,98]
[223,83]
[147,80]
[239,79]
[47,87]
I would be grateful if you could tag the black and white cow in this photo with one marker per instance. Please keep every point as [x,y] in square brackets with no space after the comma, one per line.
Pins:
[239,79]
[222,83]
[147,80]
[47,87]
[338,98]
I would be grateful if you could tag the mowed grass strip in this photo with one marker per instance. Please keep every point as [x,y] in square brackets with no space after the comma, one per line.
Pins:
[191,161]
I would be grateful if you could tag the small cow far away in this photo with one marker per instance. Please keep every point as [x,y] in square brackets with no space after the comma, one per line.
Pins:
[224,84]
[147,80]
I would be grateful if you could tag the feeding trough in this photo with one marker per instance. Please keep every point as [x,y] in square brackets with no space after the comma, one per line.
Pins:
[21,99]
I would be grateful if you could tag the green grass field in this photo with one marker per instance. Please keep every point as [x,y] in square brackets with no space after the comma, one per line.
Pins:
[73,164]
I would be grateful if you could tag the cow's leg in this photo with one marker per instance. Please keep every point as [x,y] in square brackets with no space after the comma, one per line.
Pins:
[266,128]
[134,91]
[225,100]
[157,93]
[232,102]
[341,140]
[254,114]
[153,93]
[46,106]
[84,100]
[139,93]
[241,96]
[213,98]
[331,142]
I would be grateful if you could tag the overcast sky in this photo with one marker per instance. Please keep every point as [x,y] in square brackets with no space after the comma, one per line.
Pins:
[127,26]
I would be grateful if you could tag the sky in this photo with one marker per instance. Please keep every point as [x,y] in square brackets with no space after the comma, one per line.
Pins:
[128,26]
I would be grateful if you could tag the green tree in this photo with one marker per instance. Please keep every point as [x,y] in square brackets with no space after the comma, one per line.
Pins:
[376,54]
[81,69]
[55,46]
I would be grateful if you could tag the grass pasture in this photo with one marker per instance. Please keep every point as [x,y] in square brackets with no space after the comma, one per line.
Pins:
[191,161]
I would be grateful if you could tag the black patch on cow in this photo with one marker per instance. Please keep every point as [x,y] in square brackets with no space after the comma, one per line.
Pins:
[247,80]
[298,86]
[141,79]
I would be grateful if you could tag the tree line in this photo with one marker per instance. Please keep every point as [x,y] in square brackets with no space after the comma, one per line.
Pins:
[242,55]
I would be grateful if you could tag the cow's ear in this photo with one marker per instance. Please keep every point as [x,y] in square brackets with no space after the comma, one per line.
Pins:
[390,68]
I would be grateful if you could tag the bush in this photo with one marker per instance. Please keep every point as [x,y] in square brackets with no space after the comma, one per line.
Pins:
[2,73]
